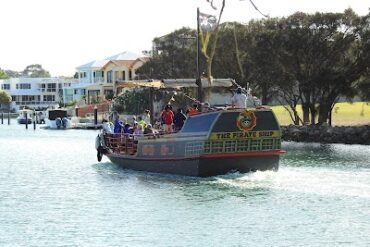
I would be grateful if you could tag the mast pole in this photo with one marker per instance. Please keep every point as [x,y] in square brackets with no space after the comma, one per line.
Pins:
[198,80]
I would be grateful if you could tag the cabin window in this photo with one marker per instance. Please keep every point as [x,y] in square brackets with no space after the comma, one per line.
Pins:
[267,144]
[243,146]
[201,123]
[230,146]
[193,148]
[217,147]
[255,145]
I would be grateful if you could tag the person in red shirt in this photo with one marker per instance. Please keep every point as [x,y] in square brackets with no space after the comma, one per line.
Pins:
[167,118]
[194,110]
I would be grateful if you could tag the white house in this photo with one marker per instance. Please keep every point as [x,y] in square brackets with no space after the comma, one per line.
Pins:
[99,78]
[36,93]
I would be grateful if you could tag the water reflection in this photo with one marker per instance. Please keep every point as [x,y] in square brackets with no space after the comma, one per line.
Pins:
[332,155]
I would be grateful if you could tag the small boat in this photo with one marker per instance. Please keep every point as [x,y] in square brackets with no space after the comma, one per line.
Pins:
[209,144]
[57,119]
[25,116]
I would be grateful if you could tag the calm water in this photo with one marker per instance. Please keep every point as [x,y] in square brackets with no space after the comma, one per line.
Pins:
[53,192]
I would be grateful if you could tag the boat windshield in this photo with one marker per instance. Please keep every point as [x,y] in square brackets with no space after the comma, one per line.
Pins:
[199,123]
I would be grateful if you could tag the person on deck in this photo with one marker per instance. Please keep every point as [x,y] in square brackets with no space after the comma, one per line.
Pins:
[107,126]
[179,119]
[146,117]
[206,107]
[194,110]
[167,118]
[118,125]
[239,100]
[141,121]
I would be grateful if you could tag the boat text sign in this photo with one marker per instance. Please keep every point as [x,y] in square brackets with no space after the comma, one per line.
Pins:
[244,135]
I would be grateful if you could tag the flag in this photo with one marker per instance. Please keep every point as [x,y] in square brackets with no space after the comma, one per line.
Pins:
[207,23]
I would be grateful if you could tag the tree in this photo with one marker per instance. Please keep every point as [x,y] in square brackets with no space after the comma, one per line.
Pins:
[5,98]
[35,70]
[175,56]
[3,74]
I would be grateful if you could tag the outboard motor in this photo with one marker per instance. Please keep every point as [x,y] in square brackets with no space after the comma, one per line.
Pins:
[64,122]
[58,122]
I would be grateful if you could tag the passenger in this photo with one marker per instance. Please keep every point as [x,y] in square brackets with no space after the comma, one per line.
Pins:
[118,125]
[127,129]
[138,130]
[146,117]
[167,118]
[194,110]
[239,100]
[107,126]
[149,131]
[141,121]
[133,120]
[179,119]
[206,107]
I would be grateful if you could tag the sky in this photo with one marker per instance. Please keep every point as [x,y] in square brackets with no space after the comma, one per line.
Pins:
[64,34]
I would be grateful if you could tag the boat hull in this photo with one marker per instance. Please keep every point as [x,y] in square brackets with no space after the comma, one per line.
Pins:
[24,121]
[201,166]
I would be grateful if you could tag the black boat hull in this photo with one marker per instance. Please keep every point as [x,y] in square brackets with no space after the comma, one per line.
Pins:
[200,167]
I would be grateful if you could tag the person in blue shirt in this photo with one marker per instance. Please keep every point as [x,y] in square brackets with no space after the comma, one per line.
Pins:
[118,125]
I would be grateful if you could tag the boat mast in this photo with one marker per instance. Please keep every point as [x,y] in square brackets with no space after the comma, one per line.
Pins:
[198,79]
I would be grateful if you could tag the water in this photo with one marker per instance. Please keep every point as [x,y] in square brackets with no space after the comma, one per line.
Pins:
[53,192]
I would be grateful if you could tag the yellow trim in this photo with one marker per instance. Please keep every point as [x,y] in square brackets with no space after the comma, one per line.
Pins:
[245,135]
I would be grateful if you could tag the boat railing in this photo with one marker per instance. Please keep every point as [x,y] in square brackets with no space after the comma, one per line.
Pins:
[124,142]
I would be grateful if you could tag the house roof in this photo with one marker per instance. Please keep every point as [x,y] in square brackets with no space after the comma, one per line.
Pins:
[97,64]
[125,58]
[126,55]
[181,83]
[176,83]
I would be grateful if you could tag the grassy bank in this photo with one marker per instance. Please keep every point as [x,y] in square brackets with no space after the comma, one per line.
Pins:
[347,114]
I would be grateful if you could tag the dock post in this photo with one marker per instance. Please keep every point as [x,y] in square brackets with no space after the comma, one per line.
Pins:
[26,121]
[9,118]
[95,115]
[76,110]
[34,120]
[2,118]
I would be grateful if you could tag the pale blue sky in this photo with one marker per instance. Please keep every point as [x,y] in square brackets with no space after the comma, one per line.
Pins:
[63,34]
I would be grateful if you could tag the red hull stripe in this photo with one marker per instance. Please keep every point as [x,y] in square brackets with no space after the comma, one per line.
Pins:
[204,156]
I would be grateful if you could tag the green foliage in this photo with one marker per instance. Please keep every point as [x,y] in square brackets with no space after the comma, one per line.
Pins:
[176,56]
[35,71]
[5,98]
[306,59]
[132,101]
[3,75]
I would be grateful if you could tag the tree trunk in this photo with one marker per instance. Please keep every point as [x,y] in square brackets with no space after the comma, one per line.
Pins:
[313,112]
[324,110]
[306,113]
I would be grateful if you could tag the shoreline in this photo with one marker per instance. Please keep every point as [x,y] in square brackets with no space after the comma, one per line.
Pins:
[327,134]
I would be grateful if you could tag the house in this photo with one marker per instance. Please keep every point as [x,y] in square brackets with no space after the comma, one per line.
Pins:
[98,79]
[35,93]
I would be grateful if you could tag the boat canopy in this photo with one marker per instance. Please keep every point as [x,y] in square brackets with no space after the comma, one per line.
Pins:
[54,114]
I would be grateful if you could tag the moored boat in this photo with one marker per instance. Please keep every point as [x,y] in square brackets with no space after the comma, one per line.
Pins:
[57,119]
[25,116]
[209,144]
